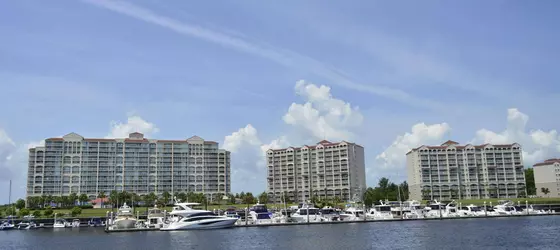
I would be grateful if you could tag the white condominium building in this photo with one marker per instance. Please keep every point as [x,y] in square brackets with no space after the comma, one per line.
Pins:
[74,164]
[324,170]
[451,171]
[547,176]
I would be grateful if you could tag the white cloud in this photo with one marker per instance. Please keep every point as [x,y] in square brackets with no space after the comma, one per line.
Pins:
[247,135]
[538,145]
[133,124]
[323,116]
[7,149]
[421,134]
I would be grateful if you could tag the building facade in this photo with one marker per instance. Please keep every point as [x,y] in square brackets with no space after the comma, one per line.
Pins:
[452,171]
[323,170]
[74,164]
[547,176]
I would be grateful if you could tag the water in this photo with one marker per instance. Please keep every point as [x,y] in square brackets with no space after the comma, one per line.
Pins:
[539,232]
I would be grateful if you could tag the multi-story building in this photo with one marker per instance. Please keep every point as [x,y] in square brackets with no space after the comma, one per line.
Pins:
[74,164]
[323,170]
[547,176]
[451,171]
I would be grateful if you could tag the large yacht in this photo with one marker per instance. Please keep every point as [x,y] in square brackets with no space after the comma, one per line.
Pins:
[412,210]
[471,210]
[352,213]
[382,211]
[125,218]
[437,209]
[330,214]
[156,217]
[259,214]
[182,209]
[307,213]
[199,220]
[505,208]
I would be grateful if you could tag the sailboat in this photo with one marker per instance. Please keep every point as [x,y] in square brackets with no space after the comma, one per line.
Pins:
[7,225]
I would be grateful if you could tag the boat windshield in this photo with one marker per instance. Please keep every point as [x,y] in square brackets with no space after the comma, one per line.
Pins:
[259,208]
[435,207]
[383,208]
[303,211]
[263,216]
[328,211]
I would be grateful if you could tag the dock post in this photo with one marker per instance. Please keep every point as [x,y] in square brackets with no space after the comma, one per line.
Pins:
[527,206]
[485,210]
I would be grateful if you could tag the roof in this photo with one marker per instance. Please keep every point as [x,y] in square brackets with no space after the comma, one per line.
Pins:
[135,137]
[321,143]
[456,145]
[547,162]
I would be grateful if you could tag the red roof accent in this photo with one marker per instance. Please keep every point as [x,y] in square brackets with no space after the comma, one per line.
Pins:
[449,142]
[210,142]
[323,143]
[99,140]
[547,162]
[453,143]
[54,139]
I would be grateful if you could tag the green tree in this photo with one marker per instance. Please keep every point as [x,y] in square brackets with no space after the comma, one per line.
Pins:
[166,196]
[231,198]
[370,196]
[10,211]
[114,198]
[182,197]
[37,213]
[101,196]
[1,213]
[20,203]
[76,211]
[150,199]
[263,198]
[23,212]
[545,191]
[405,193]
[249,198]
[83,198]
[48,212]
[530,180]
[72,199]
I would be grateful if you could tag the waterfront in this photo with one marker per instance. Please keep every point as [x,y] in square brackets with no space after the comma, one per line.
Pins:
[534,232]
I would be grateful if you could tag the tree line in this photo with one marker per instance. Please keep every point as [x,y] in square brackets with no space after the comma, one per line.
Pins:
[385,190]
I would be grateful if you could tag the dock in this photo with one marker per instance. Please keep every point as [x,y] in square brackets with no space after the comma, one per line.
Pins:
[343,222]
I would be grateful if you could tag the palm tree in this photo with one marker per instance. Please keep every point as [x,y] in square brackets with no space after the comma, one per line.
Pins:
[101,196]
[83,198]
[545,191]
[166,197]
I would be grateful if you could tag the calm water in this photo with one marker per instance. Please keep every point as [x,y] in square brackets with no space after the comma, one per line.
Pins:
[541,232]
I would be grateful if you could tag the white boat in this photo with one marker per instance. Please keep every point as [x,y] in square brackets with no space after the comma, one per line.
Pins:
[199,220]
[471,211]
[26,225]
[156,218]
[531,210]
[60,223]
[76,223]
[6,225]
[437,209]
[307,213]
[505,208]
[381,212]
[259,214]
[412,210]
[125,218]
[329,214]
[183,209]
[352,213]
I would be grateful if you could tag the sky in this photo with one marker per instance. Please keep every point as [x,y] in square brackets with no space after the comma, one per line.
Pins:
[254,75]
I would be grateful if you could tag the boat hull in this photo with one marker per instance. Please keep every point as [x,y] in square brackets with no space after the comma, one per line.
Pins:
[125,223]
[201,224]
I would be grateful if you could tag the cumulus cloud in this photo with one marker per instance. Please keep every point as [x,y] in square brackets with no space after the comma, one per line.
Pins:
[246,135]
[134,124]
[538,145]
[322,115]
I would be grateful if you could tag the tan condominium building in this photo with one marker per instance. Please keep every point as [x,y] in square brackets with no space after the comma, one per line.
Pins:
[453,171]
[324,170]
[547,178]
[74,164]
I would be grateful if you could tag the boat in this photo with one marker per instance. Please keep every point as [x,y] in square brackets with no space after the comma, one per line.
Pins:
[60,223]
[307,213]
[183,209]
[382,211]
[156,218]
[412,210]
[76,223]
[329,214]
[199,220]
[26,225]
[352,213]
[259,214]
[6,225]
[437,209]
[125,218]
[505,208]
[95,222]
[471,210]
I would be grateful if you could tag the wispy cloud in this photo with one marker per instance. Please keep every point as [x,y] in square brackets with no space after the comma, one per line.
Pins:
[281,56]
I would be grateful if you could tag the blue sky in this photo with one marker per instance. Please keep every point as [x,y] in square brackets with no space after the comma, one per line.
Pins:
[472,71]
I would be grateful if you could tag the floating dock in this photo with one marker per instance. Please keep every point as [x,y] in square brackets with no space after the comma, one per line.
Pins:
[342,222]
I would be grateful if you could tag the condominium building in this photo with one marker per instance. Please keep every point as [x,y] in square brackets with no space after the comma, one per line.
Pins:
[451,171]
[547,176]
[74,164]
[323,170]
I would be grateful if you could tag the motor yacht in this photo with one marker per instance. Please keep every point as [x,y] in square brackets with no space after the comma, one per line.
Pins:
[471,210]
[382,211]
[199,220]
[95,222]
[329,214]
[505,208]
[156,218]
[259,214]
[26,225]
[437,209]
[412,210]
[182,209]
[307,213]
[125,218]
[6,225]
[352,213]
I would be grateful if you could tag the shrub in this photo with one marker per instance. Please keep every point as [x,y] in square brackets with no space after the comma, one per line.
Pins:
[37,213]
[48,212]
[85,206]
[76,211]
[23,212]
